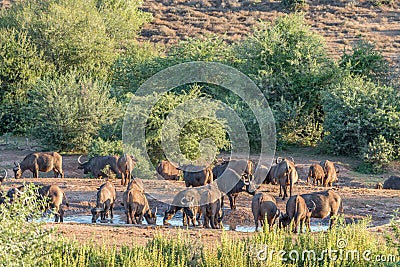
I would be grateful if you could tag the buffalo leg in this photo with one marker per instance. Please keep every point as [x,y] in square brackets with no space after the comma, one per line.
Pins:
[61,211]
[35,173]
[111,211]
[284,189]
[231,202]
[122,178]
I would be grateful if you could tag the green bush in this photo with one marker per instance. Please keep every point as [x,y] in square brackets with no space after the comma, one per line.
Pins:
[84,36]
[379,153]
[294,4]
[365,60]
[289,61]
[24,243]
[69,111]
[357,112]
[192,132]
[21,65]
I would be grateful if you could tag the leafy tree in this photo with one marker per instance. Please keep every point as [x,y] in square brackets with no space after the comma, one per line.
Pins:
[21,65]
[357,111]
[289,62]
[191,133]
[69,111]
[84,36]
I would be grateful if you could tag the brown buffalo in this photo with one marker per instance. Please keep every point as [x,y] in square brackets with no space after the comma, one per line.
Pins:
[393,182]
[264,206]
[327,203]
[196,175]
[52,195]
[231,183]
[211,202]
[286,175]
[297,210]
[168,171]
[96,165]
[2,178]
[137,207]
[330,172]
[241,166]
[187,200]
[137,184]
[316,173]
[106,196]
[55,196]
[125,166]
[39,161]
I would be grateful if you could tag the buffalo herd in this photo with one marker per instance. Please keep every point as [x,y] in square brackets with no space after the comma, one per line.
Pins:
[206,188]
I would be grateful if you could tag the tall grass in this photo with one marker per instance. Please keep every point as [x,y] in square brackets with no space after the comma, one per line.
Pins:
[344,245]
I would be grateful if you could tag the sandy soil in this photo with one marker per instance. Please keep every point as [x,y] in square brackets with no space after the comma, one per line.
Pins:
[341,22]
[360,200]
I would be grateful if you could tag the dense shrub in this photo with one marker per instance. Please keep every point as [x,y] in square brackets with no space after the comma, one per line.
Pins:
[365,60]
[202,126]
[24,243]
[289,62]
[70,110]
[21,65]
[357,112]
[294,4]
[78,35]
[379,153]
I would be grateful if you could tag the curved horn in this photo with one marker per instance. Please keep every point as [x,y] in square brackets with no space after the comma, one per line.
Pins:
[16,164]
[291,159]
[313,207]
[79,159]
[278,159]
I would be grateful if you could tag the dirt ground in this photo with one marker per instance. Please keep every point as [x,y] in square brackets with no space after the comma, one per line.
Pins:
[340,22]
[359,200]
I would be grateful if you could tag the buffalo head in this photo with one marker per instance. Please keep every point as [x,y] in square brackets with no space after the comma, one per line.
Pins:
[17,170]
[2,178]
[96,213]
[84,165]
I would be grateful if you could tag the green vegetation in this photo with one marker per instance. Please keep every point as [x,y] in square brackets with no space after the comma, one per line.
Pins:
[346,245]
[23,243]
[69,68]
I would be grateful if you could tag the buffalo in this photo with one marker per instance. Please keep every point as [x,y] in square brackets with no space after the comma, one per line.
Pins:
[96,165]
[168,171]
[231,183]
[137,207]
[196,175]
[189,201]
[326,203]
[330,172]
[125,165]
[297,210]
[211,201]
[243,167]
[2,178]
[39,161]
[52,195]
[264,206]
[393,182]
[55,196]
[316,173]
[106,196]
[286,175]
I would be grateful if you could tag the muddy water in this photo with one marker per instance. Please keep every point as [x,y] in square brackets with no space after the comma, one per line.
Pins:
[175,221]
